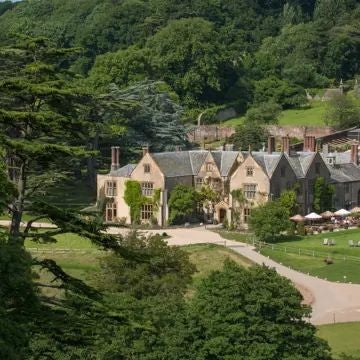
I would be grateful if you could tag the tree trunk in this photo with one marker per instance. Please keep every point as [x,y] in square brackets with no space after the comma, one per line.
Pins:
[91,162]
[18,204]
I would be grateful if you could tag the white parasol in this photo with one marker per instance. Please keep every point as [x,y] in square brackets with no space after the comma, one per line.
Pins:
[313,216]
[342,212]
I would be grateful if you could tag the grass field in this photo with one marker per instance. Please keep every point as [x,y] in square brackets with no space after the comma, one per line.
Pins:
[210,257]
[307,254]
[342,338]
[312,116]
[64,241]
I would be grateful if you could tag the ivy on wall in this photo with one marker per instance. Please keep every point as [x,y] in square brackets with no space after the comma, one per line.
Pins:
[323,195]
[135,199]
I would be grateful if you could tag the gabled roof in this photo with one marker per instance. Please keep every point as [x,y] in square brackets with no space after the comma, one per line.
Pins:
[197,158]
[268,162]
[226,160]
[174,164]
[301,162]
[124,171]
[188,163]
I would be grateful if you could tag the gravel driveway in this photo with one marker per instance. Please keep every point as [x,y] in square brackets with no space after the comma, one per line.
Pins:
[330,301]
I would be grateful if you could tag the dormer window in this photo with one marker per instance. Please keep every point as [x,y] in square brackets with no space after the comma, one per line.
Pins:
[147,168]
[249,171]
[330,160]
[283,171]
[209,167]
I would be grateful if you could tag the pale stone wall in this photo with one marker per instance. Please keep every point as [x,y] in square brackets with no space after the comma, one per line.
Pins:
[123,210]
[240,178]
[155,175]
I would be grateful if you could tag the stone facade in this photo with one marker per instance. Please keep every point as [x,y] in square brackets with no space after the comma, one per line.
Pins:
[261,176]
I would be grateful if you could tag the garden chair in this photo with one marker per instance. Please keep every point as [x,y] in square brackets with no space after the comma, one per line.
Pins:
[358,244]
[326,242]
[332,242]
[351,243]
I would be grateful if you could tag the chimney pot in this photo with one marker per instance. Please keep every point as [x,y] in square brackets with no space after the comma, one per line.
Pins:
[145,150]
[354,153]
[286,144]
[115,157]
[271,144]
[309,143]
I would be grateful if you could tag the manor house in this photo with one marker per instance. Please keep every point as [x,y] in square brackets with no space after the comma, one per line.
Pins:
[260,175]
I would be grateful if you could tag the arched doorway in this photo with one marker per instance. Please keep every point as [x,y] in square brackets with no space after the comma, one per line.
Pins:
[222,215]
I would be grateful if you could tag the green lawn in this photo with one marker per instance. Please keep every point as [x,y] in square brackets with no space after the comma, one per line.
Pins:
[64,241]
[342,338]
[307,254]
[312,116]
[237,236]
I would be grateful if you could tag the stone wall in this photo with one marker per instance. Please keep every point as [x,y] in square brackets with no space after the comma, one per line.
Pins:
[213,132]
[299,131]
[209,133]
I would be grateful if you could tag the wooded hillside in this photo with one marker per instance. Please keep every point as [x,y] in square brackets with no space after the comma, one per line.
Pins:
[210,52]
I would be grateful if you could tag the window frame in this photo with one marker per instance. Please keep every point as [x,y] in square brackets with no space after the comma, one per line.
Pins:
[249,171]
[110,188]
[246,214]
[147,188]
[111,208]
[147,168]
[146,212]
[250,193]
[283,171]
[209,167]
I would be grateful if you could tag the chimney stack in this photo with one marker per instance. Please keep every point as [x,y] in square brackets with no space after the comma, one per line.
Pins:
[145,150]
[115,157]
[354,154]
[286,144]
[309,143]
[271,144]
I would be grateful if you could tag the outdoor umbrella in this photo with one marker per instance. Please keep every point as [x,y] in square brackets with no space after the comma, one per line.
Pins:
[342,212]
[327,215]
[313,216]
[297,218]
[355,210]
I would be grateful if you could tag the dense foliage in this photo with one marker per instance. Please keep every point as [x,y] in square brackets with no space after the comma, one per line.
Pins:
[243,53]
[269,220]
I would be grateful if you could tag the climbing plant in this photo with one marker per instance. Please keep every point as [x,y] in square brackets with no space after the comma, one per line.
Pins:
[134,199]
[238,200]
[323,195]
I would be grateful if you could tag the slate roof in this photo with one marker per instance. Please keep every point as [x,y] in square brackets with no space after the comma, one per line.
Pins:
[174,164]
[188,163]
[267,162]
[345,172]
[124,171]
[197,158]
[225,160]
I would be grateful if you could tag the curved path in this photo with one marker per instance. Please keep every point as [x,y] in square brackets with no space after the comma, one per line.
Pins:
[332,302]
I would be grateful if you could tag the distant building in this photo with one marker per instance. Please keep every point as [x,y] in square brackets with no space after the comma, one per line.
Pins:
[261,176]
[333,93]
